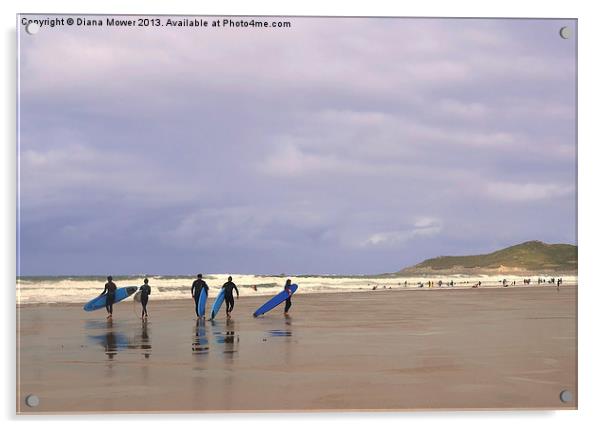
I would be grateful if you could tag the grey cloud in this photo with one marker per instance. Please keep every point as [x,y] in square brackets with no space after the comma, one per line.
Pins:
[325,148]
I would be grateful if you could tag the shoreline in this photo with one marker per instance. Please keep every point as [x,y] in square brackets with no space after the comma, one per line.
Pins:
[82,290]
[393,289]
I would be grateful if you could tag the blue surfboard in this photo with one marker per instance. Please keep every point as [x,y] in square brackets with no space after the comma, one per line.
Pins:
[219,300]
[202,303]
[100,301]
[274,302]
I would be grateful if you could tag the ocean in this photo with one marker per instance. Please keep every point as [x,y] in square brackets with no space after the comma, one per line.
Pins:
[80,289]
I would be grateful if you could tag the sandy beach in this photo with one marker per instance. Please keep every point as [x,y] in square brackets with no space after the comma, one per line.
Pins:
[382,350]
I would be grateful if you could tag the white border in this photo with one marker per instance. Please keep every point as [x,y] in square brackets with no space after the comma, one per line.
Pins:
[589,202]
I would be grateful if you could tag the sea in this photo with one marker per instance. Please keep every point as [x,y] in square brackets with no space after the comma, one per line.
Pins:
[80,289]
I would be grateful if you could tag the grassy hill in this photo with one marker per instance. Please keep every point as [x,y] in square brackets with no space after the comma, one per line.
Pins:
[531,257]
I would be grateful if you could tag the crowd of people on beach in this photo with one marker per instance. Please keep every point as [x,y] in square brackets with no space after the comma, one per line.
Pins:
[196,290]
[504,282]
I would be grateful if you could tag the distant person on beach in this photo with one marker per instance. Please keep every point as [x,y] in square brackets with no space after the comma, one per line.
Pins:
[287,289]
[145,291]
[228,296]
[109,291]
[197,287]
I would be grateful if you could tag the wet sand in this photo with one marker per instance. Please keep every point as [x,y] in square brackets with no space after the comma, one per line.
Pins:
[383,350]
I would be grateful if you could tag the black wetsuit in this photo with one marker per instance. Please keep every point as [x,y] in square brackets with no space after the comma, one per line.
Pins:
[196,289]
[287,288]
[228,296]
[145,291]
[110,289]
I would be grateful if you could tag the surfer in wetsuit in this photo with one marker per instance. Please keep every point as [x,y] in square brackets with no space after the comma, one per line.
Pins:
[109,291]
[196,289]
[287,288]
[228,296]
[145,291]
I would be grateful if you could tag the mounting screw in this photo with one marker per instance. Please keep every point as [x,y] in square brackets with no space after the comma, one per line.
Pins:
[32,401]
[32,28]
[565,32]
[566,396]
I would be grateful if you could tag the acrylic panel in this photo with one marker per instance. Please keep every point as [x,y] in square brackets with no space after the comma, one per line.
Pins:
[282,213]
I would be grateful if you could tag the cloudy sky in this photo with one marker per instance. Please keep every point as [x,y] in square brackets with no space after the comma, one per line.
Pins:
[335,146]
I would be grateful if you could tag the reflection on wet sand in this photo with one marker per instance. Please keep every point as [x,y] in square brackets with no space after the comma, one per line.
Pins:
[113,340]
[286,332]
[142,341]
[200,343]
[282,338]
[227,336]
[279,333]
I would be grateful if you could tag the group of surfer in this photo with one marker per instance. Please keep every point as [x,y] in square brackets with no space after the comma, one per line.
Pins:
[197,288]
[199,284]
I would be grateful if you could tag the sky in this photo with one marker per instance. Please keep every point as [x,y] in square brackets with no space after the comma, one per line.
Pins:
[335,146]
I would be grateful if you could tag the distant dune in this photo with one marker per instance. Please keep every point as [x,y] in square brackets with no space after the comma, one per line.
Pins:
[530,258]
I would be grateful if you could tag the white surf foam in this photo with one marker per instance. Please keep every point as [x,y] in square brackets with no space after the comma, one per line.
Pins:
[32,290]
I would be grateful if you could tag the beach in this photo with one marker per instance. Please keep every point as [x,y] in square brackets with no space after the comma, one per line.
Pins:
[400,349]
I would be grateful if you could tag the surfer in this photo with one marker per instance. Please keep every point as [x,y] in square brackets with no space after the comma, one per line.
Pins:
[145,291]
[197,287]
[109,291]
[287,288]
[228,296]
